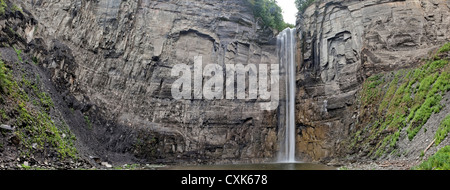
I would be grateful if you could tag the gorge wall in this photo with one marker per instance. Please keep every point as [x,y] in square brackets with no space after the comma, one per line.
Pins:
[344,42]
[119,75]
[111,61]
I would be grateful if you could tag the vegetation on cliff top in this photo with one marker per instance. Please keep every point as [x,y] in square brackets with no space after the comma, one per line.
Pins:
[269,13]
[302,5]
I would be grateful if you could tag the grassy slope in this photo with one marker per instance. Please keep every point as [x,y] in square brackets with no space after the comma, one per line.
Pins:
[401,100]
[24,105]
[439,161]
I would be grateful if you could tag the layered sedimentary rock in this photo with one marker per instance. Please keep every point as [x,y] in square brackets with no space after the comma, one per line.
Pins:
[115,58]
[344,42]
[123,53]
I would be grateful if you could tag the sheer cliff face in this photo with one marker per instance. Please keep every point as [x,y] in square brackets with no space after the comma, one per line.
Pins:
[115,57]
[124,52]
[344,42]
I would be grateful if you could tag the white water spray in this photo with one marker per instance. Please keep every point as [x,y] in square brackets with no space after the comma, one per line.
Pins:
[286,47]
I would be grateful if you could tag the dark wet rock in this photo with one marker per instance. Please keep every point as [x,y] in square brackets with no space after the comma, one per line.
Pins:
[15,140]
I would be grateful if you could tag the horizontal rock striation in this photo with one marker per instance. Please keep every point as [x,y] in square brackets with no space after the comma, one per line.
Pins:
[123,53]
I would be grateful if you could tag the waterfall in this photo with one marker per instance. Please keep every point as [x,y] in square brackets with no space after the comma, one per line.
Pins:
[286,47]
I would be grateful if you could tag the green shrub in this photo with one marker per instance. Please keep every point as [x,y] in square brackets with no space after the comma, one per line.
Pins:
[375,77]
[439,161]
[427,100]
[389,94]
[421,116]
[18,52]
[426,83]
[270,14]
[4,78]
[375,83]
[370,92]
[302,5]
[444,48]
[88,122]
[3,6]
[443,130]
[35,60]
[395,138]
[437,65]
[16,8]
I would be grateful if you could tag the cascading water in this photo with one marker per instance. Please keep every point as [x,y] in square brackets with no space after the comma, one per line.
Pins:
[286,47]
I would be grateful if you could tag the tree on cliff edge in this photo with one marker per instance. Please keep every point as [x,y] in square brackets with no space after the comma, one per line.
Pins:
[303,4]
[270,13]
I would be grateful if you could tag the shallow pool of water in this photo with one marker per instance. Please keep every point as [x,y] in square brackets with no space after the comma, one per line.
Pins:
[265,166]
